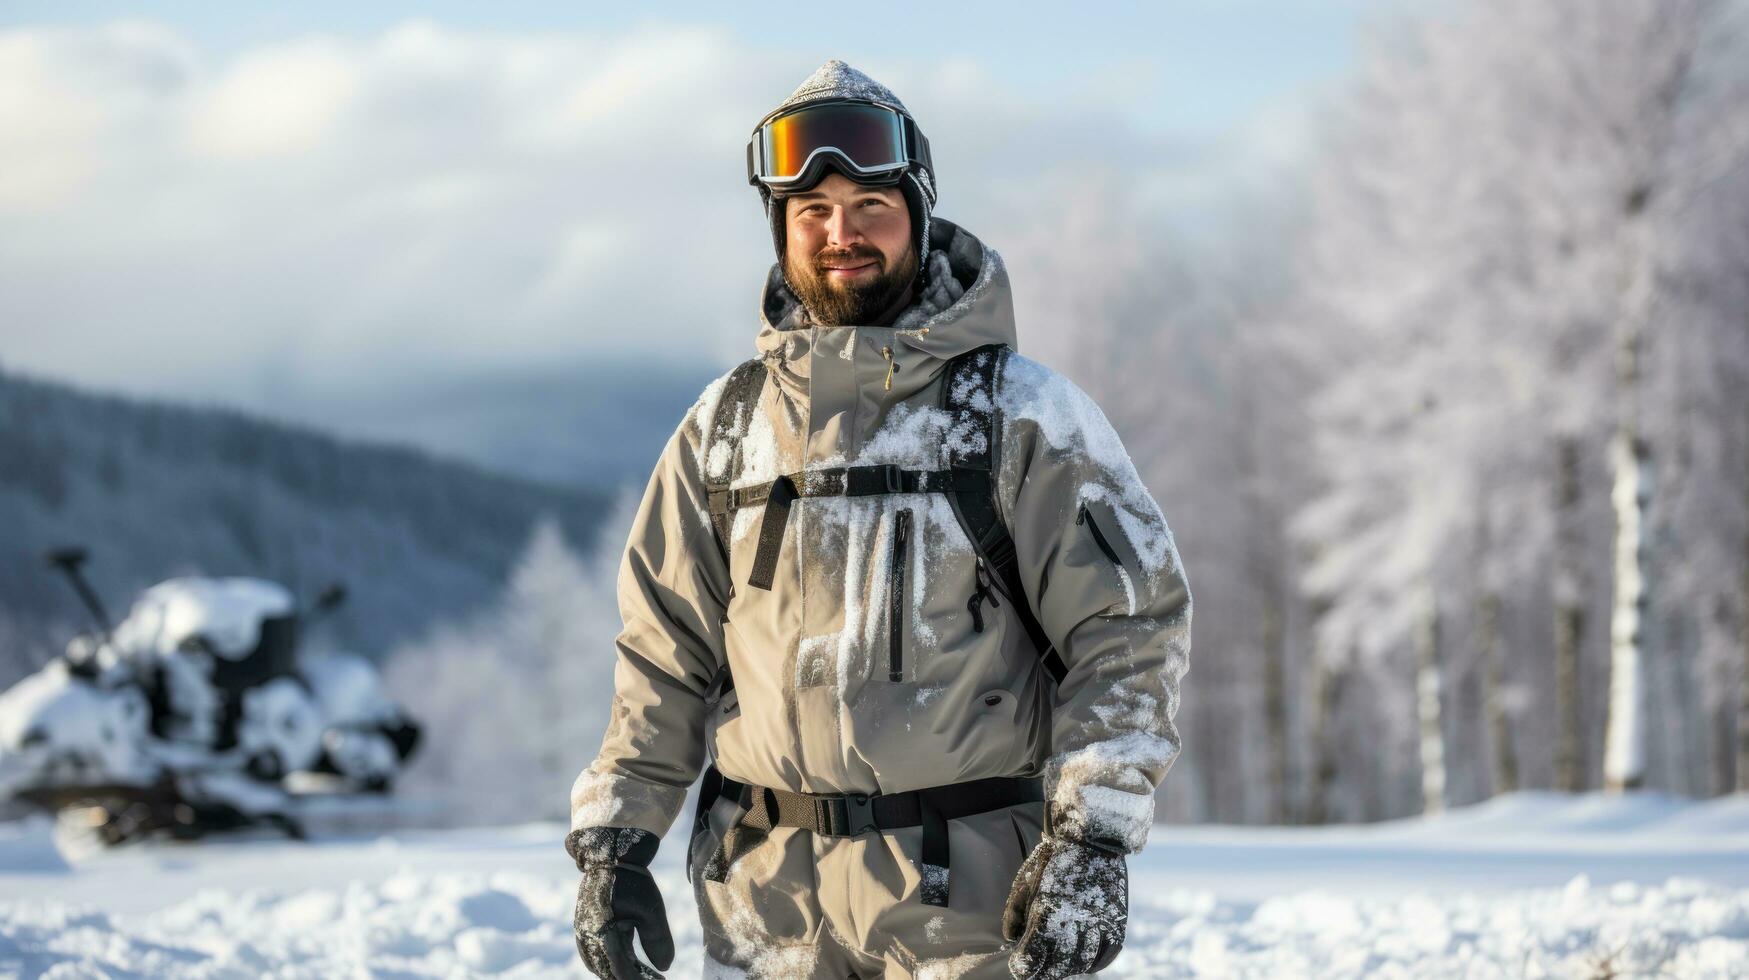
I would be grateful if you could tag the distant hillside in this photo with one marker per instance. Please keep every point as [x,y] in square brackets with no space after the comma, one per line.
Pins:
[541,422]
[156,489]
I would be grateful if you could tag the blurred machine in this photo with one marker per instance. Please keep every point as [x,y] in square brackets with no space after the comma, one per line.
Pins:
[200,711]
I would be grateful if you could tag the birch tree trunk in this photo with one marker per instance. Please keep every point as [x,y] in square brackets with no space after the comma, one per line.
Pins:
[1569,593]
[1505,772]
[1427,690]
[1496,718]
[1743,679]
[1624,760]
[1328,683]
[1275,709]
[1265,562]
[1653,189]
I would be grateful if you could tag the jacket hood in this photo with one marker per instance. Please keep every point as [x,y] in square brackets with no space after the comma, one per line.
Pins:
[968,303]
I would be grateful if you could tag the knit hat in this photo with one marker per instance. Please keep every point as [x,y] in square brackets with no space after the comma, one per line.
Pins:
[837,80]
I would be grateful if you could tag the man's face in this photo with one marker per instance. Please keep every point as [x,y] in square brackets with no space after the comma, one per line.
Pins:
[849,252]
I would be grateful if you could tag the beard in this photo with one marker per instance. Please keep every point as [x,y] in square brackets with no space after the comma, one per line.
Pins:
[838,303]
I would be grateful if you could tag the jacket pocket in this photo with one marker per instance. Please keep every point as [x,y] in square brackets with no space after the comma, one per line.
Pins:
[1089,517]
[897,595]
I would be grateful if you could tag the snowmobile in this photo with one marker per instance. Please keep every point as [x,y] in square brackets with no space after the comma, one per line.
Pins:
[199,712]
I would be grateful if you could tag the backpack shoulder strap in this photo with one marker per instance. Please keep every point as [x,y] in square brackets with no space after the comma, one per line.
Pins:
[728,425]
[974,444]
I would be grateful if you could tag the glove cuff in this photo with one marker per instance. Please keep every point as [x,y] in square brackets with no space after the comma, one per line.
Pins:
[606,847]
[1066,825]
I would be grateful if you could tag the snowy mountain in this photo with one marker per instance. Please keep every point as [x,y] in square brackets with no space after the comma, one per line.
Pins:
[156,489]
[1528,884]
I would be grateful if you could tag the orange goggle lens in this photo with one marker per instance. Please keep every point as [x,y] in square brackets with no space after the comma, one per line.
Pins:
[870,137]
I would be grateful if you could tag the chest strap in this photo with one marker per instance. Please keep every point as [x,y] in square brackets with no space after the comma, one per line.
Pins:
[968,395]
[839,481]
[855,814]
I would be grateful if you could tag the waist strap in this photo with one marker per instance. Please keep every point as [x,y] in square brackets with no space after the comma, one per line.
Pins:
[854,814]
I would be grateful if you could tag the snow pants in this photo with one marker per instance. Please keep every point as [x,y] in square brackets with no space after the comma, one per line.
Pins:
[801,905]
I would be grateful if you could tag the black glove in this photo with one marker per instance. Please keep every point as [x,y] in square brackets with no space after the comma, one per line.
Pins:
[1067,910]
[616,895]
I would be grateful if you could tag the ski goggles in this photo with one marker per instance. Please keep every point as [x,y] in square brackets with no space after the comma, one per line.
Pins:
[871,143]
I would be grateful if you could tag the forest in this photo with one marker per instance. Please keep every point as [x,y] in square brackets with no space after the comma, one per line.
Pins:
[1456,438]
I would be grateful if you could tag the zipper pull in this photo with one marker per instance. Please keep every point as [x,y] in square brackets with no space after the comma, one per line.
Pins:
[981,591]
[986,584]
[887,352]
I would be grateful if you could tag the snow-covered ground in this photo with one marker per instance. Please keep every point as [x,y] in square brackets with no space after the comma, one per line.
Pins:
[1527,885]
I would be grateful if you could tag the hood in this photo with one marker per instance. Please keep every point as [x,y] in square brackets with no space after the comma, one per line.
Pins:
[967,304]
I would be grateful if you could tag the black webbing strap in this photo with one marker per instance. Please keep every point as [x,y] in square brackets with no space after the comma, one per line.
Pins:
[782,492]
[974,372]
[848,481]
[1002,556]
[735,408]
[934,848]
[854,814]
[837,481]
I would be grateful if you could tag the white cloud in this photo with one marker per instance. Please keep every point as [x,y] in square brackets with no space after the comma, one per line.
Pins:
[584,253]
[66,96]
[276,102]
[47,131]
[323,214]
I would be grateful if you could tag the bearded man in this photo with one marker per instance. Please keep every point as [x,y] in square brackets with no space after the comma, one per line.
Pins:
[906,590]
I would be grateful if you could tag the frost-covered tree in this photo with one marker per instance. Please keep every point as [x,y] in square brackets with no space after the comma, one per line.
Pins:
[1148,321]
[514,699]
[1693,401]
[1497,213]
[1108,291]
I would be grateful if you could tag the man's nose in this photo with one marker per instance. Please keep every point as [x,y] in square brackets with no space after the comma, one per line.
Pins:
[841,228]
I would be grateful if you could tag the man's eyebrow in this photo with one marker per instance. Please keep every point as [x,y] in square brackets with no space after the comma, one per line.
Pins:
[818,195]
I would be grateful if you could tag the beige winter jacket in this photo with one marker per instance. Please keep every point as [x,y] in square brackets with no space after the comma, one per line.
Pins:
[814,708]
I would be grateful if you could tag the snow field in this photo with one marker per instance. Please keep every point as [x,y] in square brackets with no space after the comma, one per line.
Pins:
[515,924]
[1529,885]
[1682,928]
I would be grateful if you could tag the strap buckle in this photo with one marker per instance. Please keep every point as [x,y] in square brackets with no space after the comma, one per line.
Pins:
[859,815]
[845,816]
[894,476]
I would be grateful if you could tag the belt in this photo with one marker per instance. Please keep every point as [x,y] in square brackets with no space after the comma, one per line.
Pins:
[854,814]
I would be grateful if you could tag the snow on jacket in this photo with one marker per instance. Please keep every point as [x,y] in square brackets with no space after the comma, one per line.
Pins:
[814,707]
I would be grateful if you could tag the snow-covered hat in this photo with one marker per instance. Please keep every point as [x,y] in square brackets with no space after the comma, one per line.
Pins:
[837,80]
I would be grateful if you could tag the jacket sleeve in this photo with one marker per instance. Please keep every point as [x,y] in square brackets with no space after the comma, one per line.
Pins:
[673,588]
[1102,572]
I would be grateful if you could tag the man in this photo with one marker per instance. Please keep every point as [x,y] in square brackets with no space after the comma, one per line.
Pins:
[909,592]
